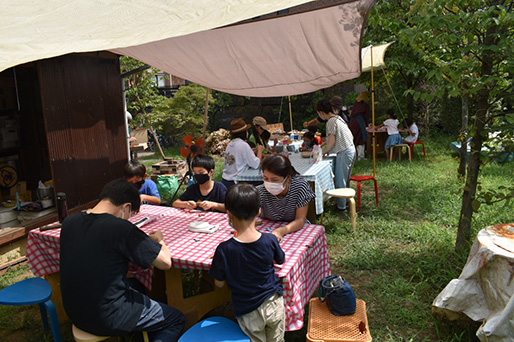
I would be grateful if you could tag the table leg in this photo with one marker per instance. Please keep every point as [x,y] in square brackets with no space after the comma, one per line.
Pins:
[56,298]
[195,307]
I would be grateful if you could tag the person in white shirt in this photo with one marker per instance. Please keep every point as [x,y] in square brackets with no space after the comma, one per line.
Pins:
[411,128]
[394,137]
[239,156]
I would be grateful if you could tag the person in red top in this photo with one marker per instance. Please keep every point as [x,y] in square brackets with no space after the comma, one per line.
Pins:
[313,129]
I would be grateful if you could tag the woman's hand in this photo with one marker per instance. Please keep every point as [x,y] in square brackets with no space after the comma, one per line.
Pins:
[279,233]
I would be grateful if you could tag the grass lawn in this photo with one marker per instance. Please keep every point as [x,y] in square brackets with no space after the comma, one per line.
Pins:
[399,260]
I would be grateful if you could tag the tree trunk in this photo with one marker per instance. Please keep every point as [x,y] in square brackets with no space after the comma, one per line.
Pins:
[463,134]
[409,100]
[464,229]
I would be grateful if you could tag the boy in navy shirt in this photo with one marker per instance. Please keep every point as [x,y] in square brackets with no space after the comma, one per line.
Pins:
[205,194]
[245,262]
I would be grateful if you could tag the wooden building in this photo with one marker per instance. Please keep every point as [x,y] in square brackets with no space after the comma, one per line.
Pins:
[70,121]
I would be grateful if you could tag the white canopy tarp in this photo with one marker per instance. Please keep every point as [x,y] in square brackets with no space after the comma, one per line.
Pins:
[378,57]
[35,29]
[285,55]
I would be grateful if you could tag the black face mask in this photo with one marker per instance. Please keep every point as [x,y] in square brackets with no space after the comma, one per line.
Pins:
[139,184]
[201,178]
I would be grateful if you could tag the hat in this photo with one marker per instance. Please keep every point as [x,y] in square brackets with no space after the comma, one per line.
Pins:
[260,121]
[337,102]
[363,96]
[238,126]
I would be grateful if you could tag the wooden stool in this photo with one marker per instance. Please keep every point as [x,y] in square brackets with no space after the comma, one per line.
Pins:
[348,193]
[326,327]
[416,143]
[80,335]
[400,152]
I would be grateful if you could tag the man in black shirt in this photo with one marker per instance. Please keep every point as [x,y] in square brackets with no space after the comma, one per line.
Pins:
[96,248]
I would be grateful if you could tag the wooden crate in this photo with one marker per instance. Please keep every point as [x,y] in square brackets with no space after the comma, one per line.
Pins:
[169,167]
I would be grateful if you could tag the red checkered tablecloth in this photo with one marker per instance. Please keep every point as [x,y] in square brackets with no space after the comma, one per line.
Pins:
[307,260]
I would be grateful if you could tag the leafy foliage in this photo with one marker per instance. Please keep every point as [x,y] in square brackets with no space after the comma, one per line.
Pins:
[140,90]
[182,114]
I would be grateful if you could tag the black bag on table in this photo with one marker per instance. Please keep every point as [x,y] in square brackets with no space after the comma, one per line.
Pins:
[338,294]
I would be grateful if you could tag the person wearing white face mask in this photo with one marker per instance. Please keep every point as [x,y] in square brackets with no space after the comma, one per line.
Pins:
[284,195]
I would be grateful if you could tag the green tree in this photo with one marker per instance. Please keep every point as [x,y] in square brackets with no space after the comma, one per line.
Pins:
[182,114]
[141,90]
[471,43]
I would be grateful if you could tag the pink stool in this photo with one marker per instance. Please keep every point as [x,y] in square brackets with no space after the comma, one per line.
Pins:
[416,143]
[360,179]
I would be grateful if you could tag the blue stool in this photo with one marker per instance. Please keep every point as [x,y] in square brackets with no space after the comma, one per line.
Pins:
[33,291]
[215,329]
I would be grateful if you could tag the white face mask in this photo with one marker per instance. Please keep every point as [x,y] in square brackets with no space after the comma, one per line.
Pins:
[275,188]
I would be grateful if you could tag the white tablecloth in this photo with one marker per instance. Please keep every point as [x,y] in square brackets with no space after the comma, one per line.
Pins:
[485,288]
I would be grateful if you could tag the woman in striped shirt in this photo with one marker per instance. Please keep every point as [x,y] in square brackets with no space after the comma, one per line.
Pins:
[340,142]
[284,195]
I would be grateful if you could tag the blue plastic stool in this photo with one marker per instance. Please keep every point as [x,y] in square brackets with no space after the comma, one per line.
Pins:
[33,291]
[215,329]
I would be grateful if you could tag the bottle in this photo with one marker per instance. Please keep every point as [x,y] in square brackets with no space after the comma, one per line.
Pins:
[62,206]
[320,155]
[280,147]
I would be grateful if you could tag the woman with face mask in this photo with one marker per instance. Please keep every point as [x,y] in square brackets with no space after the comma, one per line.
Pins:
[284,195]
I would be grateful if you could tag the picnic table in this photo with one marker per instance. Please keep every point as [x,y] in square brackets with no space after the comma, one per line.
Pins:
[307,260]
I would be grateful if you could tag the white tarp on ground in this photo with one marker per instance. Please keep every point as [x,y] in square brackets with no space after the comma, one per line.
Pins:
[485,288]
[35,29]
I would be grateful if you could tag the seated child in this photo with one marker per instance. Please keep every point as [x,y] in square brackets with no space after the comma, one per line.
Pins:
[412,130]
[394,137]
[323,139]
[205,193]
[308,142]
[313,129]
[135,172]
[245,262]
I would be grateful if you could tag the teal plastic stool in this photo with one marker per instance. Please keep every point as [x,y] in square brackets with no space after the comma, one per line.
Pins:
[33,291]
[215,329]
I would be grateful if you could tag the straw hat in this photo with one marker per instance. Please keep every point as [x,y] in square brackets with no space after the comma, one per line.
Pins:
[260,121]
[238,126]
[363,96]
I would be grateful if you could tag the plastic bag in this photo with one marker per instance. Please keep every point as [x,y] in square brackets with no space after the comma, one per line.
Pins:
[167,186]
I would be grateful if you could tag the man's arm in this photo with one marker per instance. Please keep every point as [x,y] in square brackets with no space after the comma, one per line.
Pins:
[163,260]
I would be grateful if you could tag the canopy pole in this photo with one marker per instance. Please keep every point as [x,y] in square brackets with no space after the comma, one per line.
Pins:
[206,113]
[373,111]
[290,112]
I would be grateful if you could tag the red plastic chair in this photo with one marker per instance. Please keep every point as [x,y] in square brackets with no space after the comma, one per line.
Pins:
[360,179]
[416,143]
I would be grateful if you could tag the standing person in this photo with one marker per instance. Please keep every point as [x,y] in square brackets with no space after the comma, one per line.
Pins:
[284,195]
[239,157]
[134,172]
[96,248]
[340,141]
[246,263]
[204,193]
[410,127]
[337,108]
[394,137]
[359,120]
